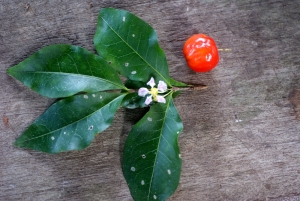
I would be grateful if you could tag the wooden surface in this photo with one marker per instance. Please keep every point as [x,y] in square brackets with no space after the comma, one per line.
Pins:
[241,139]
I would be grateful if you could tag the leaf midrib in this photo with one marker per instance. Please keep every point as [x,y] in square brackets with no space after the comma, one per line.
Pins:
[74,74]
[136,51]
[156,155]
[72,122]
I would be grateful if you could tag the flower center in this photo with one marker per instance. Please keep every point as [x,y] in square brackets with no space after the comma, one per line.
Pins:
[154,92]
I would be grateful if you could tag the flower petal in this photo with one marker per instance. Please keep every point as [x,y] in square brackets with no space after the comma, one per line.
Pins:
[162,86]
[143,91]
[151,82]
[161,99]
[148,100]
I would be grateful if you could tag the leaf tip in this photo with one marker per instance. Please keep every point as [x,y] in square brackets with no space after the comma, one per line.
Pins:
[17,143]
[9,71]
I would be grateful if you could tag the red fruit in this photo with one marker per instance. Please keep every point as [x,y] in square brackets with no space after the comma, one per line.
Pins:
[201,53]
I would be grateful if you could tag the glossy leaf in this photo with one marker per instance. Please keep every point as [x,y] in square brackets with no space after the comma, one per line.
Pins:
[131,45]
[133,100]
[64,70]
[131,84]
[71,123]
[176,83]
[176,93]
[151,158]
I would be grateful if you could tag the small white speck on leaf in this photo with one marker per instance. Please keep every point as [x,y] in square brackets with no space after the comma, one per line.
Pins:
[94,95]
[85,96]
[143,182]
[124,18]
[179,155]
[52,138]
[133,72]
[100,97]
[169,171]
[177,132]
[133,35]
[64,133]
[91,127]
[154,196]
[126,64]
[143,156]
[149,119]
[132,169]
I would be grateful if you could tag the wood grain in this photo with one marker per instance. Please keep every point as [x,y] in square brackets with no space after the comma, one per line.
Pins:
[241,139]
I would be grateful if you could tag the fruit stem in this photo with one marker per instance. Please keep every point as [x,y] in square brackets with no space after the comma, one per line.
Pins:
[225,50]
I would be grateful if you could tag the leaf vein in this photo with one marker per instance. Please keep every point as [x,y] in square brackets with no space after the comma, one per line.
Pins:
[167,81]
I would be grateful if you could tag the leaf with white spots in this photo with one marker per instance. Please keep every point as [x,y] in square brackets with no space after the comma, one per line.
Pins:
[71,123]
[151,158]
[63,70]
[131,45]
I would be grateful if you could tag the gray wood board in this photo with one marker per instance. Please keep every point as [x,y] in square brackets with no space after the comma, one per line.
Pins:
[241,139]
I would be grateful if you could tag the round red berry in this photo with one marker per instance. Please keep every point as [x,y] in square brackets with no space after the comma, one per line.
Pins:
[201,53]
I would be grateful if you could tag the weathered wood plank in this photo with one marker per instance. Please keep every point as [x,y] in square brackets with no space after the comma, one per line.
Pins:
[242,134]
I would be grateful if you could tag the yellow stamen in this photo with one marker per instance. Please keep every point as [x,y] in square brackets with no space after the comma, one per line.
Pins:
[154,92]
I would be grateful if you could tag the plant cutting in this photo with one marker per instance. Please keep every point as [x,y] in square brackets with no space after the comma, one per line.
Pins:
[90,91]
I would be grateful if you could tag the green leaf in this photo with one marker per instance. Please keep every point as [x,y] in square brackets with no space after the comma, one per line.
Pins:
[131,45]
[133,100]
[64,70]
[176,93]
[176,83]
[151,158]
[71,123]
[131,84]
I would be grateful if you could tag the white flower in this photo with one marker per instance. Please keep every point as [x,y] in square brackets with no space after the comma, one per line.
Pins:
[151,82]
[143,91]
[148,100]
[160,99]
[162,88]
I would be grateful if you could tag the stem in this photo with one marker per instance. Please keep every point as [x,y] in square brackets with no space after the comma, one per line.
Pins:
[170,91]
[195,87]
